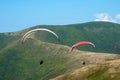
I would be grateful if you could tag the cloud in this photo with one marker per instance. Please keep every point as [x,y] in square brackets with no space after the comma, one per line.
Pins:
[117,16]
[104,17]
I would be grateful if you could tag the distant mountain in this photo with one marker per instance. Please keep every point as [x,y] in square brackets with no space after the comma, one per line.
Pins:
[105,35]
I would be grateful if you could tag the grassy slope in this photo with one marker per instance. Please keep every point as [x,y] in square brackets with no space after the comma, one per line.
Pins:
[7,39]
[21,61]
[109,70]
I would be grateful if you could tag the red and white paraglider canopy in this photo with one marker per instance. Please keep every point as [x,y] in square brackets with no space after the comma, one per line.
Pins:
[81,43]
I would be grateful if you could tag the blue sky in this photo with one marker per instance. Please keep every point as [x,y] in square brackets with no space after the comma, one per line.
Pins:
[16,15]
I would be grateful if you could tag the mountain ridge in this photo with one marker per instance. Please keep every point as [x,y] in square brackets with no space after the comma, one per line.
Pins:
[104,35]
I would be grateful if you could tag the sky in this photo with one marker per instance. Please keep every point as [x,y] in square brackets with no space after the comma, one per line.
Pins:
[16,15]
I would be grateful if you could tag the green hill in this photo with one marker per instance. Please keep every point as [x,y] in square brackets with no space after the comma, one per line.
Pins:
[21,61]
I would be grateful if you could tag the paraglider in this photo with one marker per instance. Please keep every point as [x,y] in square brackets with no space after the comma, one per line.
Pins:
[83,62]
[41,62]
[81,43]
[26,35]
